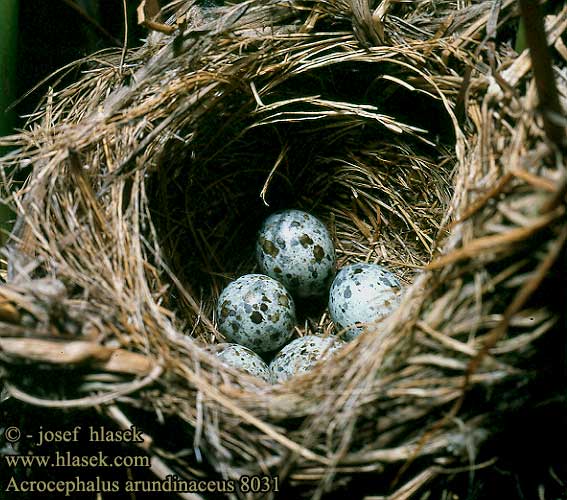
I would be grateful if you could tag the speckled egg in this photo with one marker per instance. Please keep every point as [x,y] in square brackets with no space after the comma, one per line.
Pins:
[257,312]
[244,359]
[301,355]
[295,248]
[362,294]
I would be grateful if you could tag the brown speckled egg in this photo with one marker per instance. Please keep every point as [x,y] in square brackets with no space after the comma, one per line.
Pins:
[256,311]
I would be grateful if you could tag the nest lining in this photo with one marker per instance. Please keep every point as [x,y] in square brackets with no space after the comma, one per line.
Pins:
[178,151]
[368,201]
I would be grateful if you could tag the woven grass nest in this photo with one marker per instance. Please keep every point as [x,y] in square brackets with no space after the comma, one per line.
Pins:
[410,128]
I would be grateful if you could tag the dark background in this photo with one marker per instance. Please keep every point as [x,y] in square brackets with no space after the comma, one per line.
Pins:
[52,34]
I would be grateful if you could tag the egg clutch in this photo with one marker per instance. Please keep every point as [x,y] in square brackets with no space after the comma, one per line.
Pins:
[257,313]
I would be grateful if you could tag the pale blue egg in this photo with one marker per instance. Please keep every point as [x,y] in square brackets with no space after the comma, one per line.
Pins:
[295,248]
[240,357]
[362,294]
[256,311]
[301,355]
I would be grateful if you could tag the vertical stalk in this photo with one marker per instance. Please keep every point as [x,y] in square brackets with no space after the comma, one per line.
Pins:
[8,42]
[543,72]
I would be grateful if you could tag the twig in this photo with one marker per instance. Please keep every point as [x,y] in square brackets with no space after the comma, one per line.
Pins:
[555,200]
[88,401]
[543,72]
[125,45]
[495,242]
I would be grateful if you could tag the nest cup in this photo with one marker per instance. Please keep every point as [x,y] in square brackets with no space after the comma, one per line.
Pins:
[379,191]
[150,181]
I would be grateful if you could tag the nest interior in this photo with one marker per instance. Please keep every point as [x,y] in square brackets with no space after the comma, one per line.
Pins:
[381,192]
[152,174]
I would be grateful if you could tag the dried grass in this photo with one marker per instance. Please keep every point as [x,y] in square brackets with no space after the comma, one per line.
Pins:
[150,179]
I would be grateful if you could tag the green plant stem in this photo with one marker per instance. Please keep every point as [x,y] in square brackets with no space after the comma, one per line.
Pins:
[8,42]
[8,47]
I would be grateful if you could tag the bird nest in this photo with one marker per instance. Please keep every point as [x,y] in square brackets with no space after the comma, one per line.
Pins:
[410,130]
